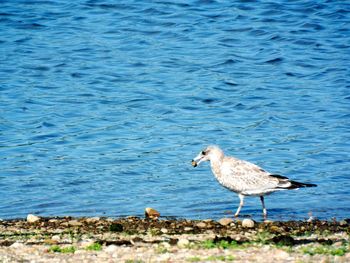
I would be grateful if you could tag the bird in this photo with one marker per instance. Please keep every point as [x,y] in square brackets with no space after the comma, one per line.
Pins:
[243,177]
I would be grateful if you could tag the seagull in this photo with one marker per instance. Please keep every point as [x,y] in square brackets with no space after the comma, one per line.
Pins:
[243,177]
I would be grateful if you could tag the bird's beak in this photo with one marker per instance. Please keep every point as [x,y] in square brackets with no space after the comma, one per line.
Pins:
[194,163]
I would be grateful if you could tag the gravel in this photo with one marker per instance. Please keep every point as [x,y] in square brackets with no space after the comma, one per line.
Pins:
[135,239]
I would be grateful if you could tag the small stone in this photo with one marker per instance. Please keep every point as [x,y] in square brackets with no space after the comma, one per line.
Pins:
[32,218]
[188,229]
[248,223]
[201,225]
[74,223]
[183,242]
[151,213]
[163,257]
[166,245]
[275,229]
[92,219]
[64,224]
[281,254]
[59,230]
[56,238]
[164,230]
[17,245]
[343,223]
[137,240]
[225,221]
[111,249]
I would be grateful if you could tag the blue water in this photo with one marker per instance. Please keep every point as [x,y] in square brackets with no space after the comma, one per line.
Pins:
[104,103]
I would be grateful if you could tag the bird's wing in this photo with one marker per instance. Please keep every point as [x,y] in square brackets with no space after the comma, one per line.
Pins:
[246,177]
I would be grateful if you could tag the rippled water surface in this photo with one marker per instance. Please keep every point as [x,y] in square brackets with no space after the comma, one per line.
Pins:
[104,103]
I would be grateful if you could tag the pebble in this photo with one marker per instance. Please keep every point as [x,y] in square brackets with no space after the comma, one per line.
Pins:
[56,238]
[166,245]
[163,257]
[201,225]
[275,229]
[136,240]
[281,254]
[17,245]
[225,221]
[111,249]
[183,242]
[92,219]
[32,218]
[74,223]
[176,247]
[248,223]
[151,213]
[343,223]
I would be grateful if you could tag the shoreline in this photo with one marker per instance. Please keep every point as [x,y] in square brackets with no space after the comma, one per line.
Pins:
[135,239]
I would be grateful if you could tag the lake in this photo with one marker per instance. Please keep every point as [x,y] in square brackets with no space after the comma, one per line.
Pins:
[103,104]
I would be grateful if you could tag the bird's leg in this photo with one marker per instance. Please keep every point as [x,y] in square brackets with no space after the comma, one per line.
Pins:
[241,198]
[263,205]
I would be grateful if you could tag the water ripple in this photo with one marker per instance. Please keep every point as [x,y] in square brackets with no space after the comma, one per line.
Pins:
[103,104]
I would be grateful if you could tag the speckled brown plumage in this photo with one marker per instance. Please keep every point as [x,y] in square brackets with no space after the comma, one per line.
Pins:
[244,178]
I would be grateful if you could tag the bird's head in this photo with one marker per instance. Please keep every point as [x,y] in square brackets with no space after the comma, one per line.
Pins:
[210,153]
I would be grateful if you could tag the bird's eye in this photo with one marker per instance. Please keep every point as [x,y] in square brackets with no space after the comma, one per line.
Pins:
[203,152]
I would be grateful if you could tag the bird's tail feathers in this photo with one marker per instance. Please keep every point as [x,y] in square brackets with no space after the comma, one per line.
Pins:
[295,184]
[285,183]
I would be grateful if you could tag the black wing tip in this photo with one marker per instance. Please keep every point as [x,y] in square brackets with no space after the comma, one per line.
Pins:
[299,185]
[310,185]
[295,184]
